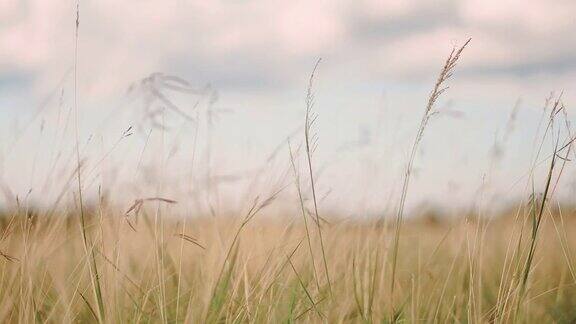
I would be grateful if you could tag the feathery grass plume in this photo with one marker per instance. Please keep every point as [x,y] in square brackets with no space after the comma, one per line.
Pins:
[437,91]
[311,143]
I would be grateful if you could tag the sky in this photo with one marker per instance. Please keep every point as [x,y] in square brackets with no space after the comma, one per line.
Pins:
[234,75]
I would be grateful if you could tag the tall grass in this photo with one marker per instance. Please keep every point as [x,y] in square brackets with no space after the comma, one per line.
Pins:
[311,141]
[265,265]
[437,91]
[89,249]
[266,274]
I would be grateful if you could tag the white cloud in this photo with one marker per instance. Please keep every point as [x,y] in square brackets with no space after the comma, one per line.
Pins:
[121,41]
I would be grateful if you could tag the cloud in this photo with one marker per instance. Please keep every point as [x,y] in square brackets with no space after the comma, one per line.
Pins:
[271,44]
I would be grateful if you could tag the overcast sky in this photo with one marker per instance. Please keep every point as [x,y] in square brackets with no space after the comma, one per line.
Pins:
[379,62]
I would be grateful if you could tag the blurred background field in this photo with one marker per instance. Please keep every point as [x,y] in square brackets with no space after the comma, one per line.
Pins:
[460,270]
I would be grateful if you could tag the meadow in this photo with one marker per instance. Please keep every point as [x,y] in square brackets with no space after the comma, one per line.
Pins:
[222,270]
[99,262]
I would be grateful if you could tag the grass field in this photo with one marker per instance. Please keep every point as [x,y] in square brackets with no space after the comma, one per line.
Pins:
[100,263]
[216,270]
